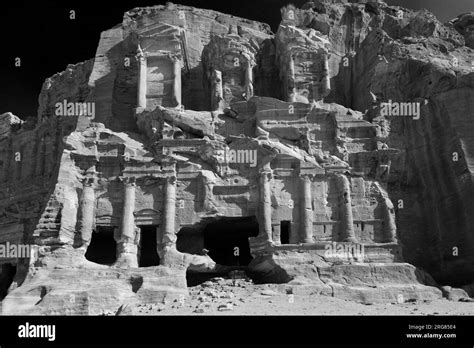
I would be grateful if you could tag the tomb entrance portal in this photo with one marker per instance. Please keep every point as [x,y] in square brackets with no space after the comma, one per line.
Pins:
[103,247]
[147,253]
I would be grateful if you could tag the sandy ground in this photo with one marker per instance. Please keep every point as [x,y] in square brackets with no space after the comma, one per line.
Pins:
[222,297]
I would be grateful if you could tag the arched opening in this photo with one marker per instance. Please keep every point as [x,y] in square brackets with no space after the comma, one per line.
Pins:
[148,254]
[103,247]
[7,274]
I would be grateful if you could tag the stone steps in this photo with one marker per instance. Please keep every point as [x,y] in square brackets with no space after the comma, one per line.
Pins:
[49,222]
[366,282]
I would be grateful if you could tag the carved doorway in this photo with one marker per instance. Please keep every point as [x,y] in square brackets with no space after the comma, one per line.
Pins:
[147,253]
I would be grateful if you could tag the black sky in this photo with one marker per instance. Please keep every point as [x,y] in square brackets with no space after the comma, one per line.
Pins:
[43,36]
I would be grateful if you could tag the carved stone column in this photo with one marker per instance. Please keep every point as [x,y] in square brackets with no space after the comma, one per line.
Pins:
[168,224]
[249,79]
[142,78]
[128,219]
[291,80]
[306,209]
[217,93]
[265,223]
[87,211]
[390,226]
[326,80]
[127,247]
[176,79]
[347,219]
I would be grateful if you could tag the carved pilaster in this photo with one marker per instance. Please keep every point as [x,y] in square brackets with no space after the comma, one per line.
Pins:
[265,223]
[249,79]
[87,210]
[128,219]
[176,59]
[346,216]
[217,92]
[168,223]
[326,80]
[127,248]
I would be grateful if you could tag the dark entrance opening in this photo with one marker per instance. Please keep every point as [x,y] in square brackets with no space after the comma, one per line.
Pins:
[103,247]
[7,274]
[148,255]
[285,230]
[190,240]
[227,240]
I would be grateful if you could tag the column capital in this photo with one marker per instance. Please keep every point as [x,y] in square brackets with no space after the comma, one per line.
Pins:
[140,55]
[216,74]
[251,63]
[307,176]
[266,174]
[89,181]
[168,165]
[128,180]
[168,161]
[175,57]
[170,180]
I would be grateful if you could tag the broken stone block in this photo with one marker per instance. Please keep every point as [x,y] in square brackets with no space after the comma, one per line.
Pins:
[225,308]
[454,294]
[269,293]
